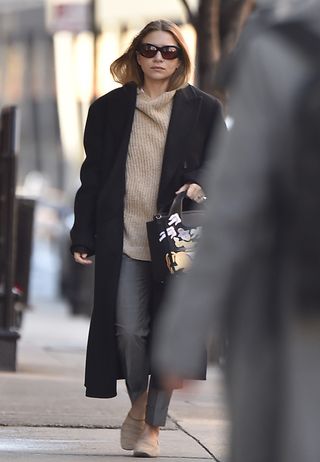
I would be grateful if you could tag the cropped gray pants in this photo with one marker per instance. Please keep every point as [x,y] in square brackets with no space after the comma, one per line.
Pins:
[133,332]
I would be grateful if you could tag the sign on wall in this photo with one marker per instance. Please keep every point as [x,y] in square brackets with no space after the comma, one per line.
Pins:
[73,16]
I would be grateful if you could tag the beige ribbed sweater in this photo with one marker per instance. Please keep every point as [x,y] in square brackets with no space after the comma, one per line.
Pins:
[143,169]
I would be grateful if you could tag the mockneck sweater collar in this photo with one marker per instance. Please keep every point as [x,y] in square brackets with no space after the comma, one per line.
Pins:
[158,102]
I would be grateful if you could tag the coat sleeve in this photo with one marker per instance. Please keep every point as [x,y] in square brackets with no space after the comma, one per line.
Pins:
[83,231]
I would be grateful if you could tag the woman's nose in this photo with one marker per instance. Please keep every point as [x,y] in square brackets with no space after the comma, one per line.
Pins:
[158,56]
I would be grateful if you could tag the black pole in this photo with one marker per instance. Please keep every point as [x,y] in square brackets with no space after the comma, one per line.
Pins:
[8,150]
[95,32]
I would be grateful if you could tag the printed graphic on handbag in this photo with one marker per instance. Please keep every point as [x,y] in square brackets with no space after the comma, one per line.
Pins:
[173,239]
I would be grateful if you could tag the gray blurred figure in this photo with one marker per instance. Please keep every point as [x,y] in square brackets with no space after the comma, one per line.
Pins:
[256,276]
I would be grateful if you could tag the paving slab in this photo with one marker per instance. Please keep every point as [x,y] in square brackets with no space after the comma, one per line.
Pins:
[213,435]
[12,457]
[39,400]
[201,410]
[47,389]
[93,443]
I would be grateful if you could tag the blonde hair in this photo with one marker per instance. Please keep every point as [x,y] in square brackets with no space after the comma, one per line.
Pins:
[126,68]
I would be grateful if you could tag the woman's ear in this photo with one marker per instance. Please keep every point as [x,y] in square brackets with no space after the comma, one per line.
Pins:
[138,57]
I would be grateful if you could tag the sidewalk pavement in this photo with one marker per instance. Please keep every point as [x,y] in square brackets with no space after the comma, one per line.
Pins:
[44,415]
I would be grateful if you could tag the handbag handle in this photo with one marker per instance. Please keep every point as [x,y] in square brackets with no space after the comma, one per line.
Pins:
[176,206]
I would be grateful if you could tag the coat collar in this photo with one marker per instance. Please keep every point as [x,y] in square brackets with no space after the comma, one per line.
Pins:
[185,112]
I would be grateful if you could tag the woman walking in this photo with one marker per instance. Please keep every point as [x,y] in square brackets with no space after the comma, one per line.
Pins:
[144,142]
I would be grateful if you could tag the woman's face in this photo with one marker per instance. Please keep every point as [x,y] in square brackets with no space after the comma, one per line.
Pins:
[158,68]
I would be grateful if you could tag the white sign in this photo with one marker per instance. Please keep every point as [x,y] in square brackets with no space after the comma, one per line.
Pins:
[73,16]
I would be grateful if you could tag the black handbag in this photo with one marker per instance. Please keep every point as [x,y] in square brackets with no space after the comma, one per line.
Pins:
[173,239]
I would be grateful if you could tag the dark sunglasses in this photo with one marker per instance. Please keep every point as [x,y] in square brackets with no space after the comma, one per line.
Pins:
[167,52]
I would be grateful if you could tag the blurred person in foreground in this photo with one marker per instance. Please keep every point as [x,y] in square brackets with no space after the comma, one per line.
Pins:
[145,142]
[256,276]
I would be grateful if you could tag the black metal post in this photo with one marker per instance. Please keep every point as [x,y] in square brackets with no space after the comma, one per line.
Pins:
[8,150]
[95,32]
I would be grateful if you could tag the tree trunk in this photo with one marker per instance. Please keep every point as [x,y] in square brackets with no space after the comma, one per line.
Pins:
[218,25]
[208,43]
[233,17]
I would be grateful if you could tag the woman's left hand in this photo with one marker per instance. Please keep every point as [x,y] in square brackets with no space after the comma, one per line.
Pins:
[194,192]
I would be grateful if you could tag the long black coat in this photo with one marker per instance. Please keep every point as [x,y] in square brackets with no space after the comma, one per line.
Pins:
[99,203]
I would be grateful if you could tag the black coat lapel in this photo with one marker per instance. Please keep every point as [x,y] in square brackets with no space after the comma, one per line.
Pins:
[120,121]
[124,114]
[185,112]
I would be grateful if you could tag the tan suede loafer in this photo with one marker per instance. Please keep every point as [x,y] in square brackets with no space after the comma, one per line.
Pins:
[131,430]
[147,447]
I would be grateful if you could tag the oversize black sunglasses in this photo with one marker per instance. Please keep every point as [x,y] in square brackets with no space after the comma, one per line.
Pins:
[167,52]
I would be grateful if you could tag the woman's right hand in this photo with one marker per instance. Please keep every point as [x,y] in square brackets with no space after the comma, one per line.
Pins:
[82,258]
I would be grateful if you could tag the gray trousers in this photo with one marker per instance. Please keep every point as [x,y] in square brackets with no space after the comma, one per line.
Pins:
[133,332]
